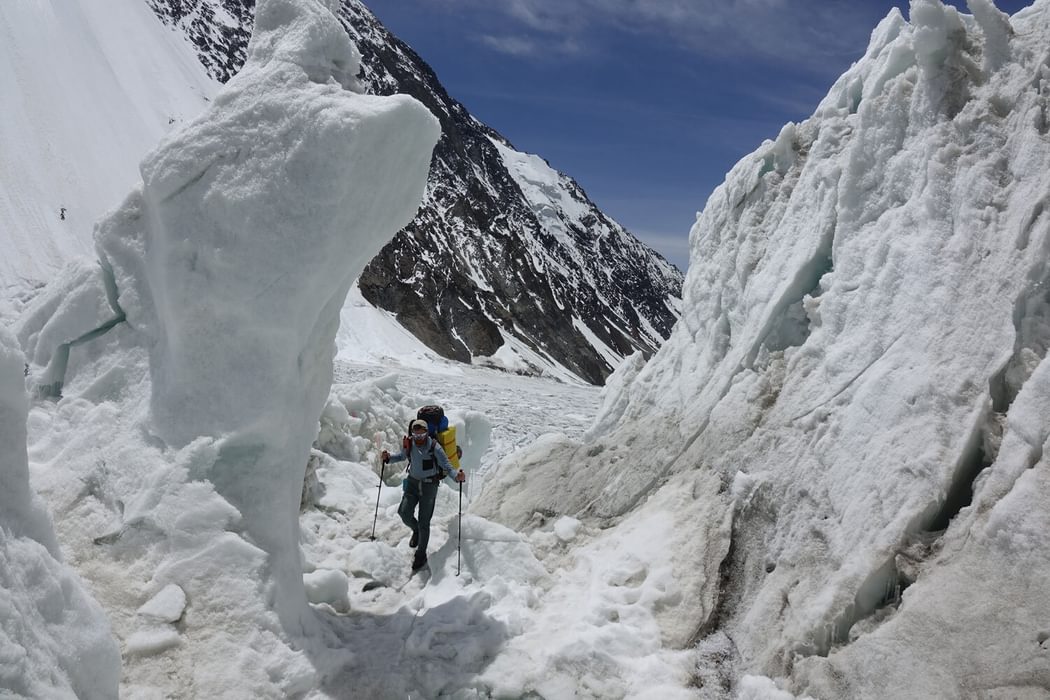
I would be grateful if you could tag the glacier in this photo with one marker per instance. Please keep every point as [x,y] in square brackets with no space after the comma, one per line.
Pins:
[829,483]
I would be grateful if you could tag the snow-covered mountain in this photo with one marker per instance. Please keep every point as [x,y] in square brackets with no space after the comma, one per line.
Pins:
[508,262]
[847,428]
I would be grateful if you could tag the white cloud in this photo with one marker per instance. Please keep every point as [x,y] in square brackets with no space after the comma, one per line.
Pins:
[799,32]
[512,45]
[519,45]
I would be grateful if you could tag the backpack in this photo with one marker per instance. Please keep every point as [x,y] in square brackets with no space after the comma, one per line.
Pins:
[435,418]
[441,432]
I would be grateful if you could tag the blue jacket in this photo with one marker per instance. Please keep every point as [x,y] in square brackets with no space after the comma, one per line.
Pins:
[416,455]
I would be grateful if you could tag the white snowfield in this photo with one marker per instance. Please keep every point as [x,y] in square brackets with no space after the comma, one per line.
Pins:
[777,505]
[82,105]
[863,343]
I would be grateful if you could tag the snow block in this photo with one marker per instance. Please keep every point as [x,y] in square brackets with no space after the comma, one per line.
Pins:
[75,309]
[167,606]
[234,257]
[328,586]
[153,641]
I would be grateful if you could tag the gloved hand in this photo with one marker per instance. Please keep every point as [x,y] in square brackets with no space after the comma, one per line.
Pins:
[461,476]
[385,456]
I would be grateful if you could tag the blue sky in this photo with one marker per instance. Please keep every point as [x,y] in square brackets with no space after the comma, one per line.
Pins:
[646,103]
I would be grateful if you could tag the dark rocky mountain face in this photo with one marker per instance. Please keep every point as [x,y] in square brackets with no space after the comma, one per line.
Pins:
[504,250]
[220,30]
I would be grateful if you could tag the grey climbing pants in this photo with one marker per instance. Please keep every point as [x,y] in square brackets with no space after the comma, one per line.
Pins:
[422,494]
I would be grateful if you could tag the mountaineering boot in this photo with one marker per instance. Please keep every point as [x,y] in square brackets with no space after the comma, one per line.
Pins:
[414,540]
[419,560]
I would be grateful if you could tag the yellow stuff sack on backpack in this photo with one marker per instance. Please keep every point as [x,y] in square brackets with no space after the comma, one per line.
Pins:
[447,440]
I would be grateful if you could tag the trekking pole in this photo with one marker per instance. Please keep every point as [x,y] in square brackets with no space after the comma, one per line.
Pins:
[459,534]
[382,475]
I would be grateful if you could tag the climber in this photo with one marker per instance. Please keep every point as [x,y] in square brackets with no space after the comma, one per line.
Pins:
[428,465]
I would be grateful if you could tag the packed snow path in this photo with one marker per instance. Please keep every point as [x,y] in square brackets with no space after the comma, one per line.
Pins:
[558,610]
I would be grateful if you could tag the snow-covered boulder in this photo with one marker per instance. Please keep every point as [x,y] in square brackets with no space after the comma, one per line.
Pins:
[861,347]
[55,638]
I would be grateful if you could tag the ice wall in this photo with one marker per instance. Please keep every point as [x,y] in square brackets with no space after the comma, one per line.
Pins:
[865,318]
[234,256]
[54,638]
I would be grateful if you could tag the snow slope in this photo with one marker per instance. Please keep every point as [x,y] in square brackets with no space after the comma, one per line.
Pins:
[372,336]
[78,117]
[862,345]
